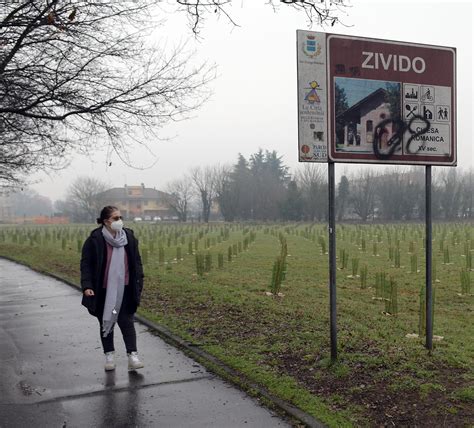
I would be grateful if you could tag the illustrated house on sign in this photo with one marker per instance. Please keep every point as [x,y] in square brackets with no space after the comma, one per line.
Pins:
[360,121]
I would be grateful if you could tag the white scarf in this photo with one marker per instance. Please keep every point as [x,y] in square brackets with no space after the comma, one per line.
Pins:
[115,279]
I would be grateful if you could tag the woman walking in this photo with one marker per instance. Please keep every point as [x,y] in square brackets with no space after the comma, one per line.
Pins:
[112,282]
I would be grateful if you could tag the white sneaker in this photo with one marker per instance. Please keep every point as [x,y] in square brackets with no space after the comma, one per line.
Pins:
[134,362]
[109,361]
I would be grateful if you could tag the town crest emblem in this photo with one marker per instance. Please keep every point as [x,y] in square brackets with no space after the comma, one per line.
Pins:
[311,47]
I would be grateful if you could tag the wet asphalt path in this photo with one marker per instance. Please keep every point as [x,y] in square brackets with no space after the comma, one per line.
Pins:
[52,369]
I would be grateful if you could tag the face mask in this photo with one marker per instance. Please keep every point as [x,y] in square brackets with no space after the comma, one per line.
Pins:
[116,225]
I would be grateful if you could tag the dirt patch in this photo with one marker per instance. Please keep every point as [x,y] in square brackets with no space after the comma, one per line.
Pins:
[379,395]
[216,321]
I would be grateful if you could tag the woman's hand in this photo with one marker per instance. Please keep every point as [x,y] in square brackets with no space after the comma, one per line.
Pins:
[89,292]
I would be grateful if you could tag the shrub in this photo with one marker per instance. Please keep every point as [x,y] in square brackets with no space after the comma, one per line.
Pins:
[465,282]
[422,311]
[220,260]
[145,256]
[279,268]
[391,299]
[355,266]
[414,263]
[397,258]
[363,276]
[199,264]
[161,255]
[446,256]
[208,262]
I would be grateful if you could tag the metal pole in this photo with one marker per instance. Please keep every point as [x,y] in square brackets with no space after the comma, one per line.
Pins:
[332,260]
[428,248]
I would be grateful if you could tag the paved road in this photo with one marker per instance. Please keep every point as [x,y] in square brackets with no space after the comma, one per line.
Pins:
[52,373]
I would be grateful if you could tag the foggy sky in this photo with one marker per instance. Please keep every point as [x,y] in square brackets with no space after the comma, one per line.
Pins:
[254,102]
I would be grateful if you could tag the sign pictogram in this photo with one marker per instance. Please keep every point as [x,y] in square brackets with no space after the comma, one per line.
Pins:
[442,113]
[427,94]
[411,93]
[427,112]
[411,110]
[312,96]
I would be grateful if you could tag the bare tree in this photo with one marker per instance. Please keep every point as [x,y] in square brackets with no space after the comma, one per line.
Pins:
[29,202]
[77,75]
[85,199]
[467,205]
[180,192]
[363,186]
[313,185]
[393,192]
[450,189]
[204,179]
[318,12]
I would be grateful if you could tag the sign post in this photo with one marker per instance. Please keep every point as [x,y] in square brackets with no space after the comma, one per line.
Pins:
[332,260]
[365,100]
[428,263]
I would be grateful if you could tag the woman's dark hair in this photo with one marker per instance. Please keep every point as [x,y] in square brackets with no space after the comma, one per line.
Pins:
[106,213]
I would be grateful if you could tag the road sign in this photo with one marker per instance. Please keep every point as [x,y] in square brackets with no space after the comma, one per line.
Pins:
[387,102]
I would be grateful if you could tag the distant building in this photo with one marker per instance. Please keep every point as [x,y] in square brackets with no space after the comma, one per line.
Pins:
[137,201]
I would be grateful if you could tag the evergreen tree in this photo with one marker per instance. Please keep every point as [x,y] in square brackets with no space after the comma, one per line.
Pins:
[292,207]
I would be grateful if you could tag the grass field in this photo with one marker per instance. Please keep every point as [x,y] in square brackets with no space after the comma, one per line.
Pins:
[213,286]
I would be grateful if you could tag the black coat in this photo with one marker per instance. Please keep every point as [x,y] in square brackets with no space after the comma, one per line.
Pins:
[93,263]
